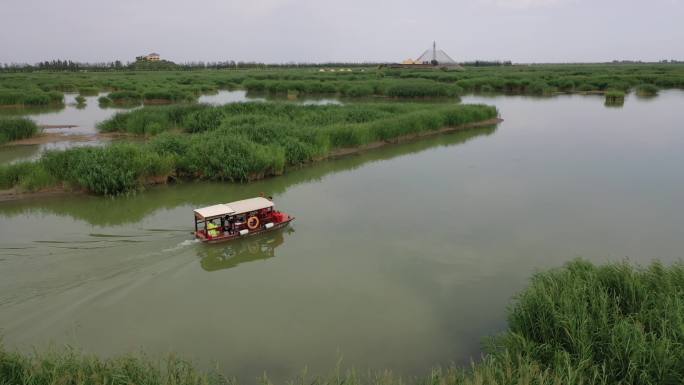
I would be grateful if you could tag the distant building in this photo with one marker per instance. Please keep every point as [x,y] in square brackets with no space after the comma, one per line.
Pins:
[435,57]
[151,57]
[429,59]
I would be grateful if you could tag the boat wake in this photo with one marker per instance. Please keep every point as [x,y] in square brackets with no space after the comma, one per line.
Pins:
[185,243]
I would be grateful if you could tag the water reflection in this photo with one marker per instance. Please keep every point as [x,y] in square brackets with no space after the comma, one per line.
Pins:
[29,111]
[614,103]
[85,116]
[230,254]
[10,154]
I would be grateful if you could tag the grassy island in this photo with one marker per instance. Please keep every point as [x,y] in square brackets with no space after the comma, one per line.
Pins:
[237,142]
[615,98]
[646,90]
[579,324]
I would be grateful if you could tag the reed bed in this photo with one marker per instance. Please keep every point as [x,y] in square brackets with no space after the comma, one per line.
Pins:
[237,142]
[647,90]
[88,91]
[125,97]
[615,98]
[30,97]
[612,324]
[17,128]
[172,95]
[575,325]
[405,88]
[32,88]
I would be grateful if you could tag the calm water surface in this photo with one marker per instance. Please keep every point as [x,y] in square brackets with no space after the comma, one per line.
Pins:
[400,258]
[83,117]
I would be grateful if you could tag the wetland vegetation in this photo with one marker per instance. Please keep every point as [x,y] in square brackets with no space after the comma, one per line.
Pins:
[615,98]
[16,128]
[578,324]
[236,142]
[41,88]
[259,141]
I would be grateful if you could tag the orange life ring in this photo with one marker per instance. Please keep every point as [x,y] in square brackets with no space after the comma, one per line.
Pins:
[252,222]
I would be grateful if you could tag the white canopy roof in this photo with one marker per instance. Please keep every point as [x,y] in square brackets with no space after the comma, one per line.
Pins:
[237,207]
[214,211]
[251,204]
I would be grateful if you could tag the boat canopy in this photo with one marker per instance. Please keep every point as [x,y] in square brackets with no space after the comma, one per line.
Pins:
[232,208]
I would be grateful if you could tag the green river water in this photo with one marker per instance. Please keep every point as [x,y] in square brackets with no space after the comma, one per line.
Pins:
[403,257]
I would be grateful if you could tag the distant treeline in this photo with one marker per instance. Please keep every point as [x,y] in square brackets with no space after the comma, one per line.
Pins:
[162,65]
[486,63]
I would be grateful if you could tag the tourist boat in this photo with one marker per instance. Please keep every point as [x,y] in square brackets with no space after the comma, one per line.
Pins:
[228,221]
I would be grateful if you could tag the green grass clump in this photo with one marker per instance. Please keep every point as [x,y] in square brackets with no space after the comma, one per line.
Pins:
[104,101]
[88,91]
[150,120]
[125,97]
[612,324]
[108,170]
[17,128]
[168,96]
[11,174]
[417,88]
[71,367]
[646,90]
[28,176]
[11,97]
[31,97]
[615,97]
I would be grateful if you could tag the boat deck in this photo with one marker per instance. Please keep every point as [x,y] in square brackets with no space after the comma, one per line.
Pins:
[224,236]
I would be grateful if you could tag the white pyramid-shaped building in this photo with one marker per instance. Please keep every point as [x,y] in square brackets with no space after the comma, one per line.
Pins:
[436,57]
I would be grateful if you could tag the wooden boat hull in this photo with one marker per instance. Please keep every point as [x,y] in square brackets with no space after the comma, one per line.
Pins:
[234,236]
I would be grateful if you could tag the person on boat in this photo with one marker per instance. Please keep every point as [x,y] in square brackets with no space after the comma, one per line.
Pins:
[230,224]
[212,229]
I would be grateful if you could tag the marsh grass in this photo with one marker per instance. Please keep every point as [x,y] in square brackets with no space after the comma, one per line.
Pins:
[575,325]
[108,170]
[614,98]
[237,142]
[181,86]
[125,97]
[614,323]
[88,91]
[646,90]
[67,366]
[170,95]
[31,97]
[16,128]
[104,101]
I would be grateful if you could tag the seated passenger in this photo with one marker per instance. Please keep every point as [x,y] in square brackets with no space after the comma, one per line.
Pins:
[212,229]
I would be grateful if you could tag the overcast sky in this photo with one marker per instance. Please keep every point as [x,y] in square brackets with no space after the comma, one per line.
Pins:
[341,30]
